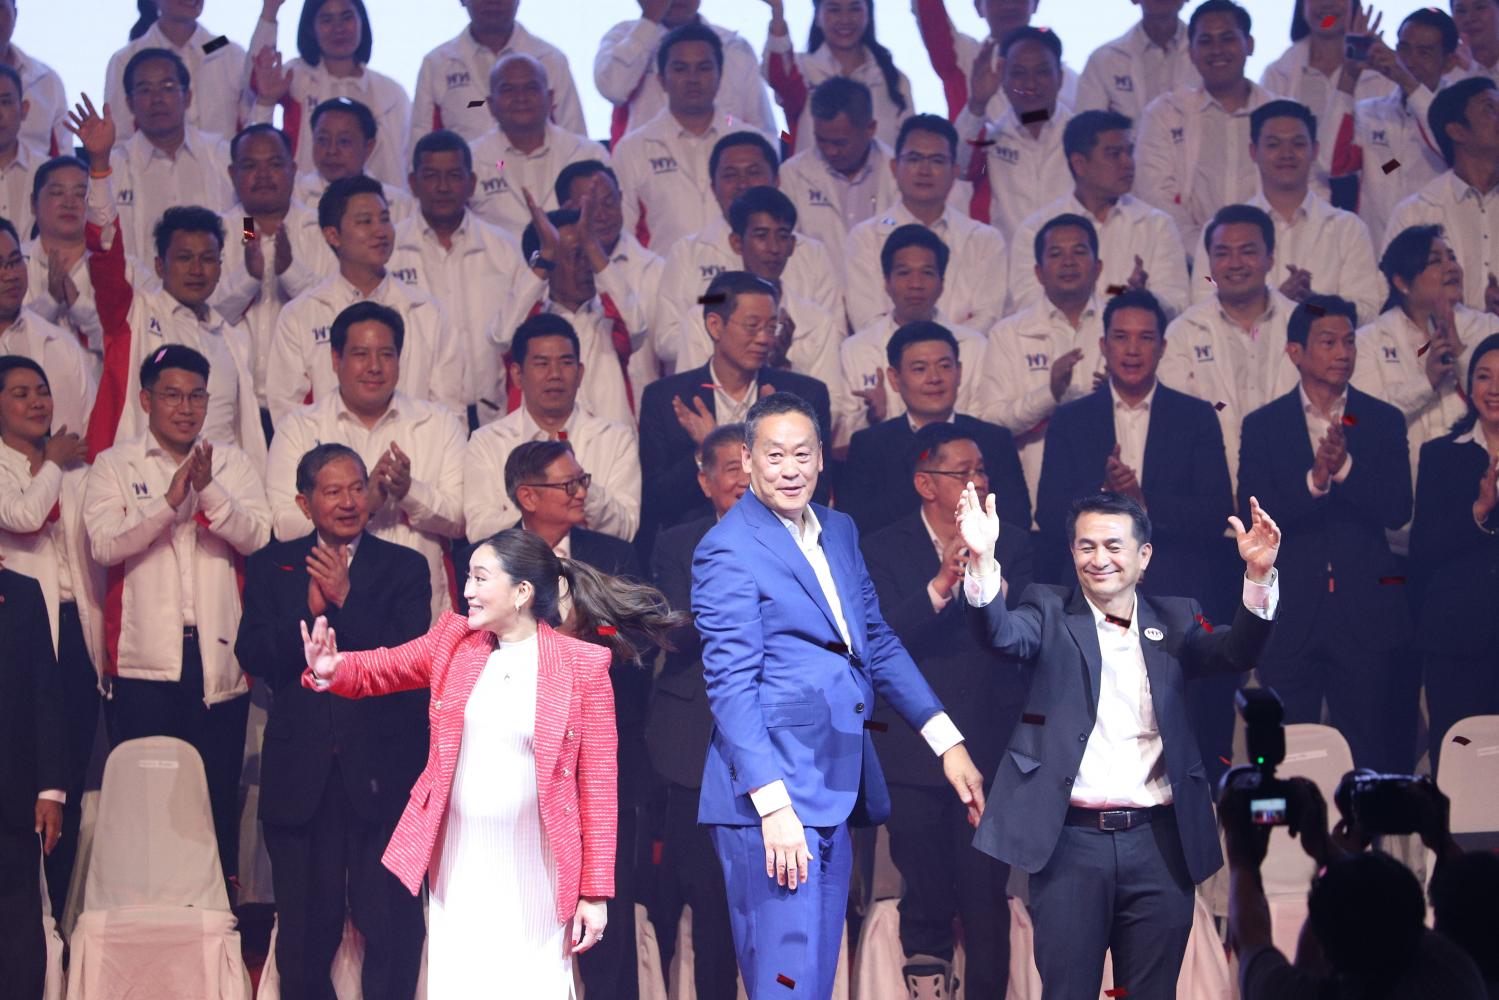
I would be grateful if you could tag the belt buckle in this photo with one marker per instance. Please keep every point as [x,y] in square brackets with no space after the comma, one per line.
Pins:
[1111,820]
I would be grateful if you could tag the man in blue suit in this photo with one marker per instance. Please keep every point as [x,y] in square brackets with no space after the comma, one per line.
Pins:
[1104,799]
[794,651]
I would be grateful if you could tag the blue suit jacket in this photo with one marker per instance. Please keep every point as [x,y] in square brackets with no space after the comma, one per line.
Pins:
[789,698]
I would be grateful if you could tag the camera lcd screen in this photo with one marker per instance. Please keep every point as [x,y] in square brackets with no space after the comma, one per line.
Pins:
[1267,812]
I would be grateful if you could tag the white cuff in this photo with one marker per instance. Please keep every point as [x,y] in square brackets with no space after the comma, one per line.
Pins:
[769,798]
[938,599]
[979,588]
[52,795]
[941,734]
[1311,486]
[1263,598]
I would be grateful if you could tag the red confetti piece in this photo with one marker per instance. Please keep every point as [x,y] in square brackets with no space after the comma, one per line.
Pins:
[786,137]
[786,981]
[608,630]
[289,569]
[1220,406]
[710,385]
[476,104]
[1032,117]
[1123,623]
[1423,349]
[223,642]
[1315,310]
[1391,581]
[1461,741]
[209,48]
[879,727]
[1390,166]
[1329,20]
[1116,992]
[1032,719]
[711,300]
[1115,289]
[927,453]
[1204,623]
[1210,279]
[1225,760]
[981,142]
[1349,420]
[159,355]
[249,231]
[657,847]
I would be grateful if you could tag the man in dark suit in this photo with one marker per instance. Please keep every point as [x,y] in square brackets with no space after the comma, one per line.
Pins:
[335,773]
[677,733]
[924,369]
[550,489]
[1334,462]
[916,565]
[1101,796]
[676,413]
[33,774]
[1164,450]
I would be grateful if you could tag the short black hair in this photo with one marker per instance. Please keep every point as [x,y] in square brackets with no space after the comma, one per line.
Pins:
[932,124]
[1083,130]
[1450,107]
[313,462]
[542,325]
[838,95]
[762,199]
[6,226]
[1231,215]
[334,202]
[12,362]
[254,129]
[1108,502]
[1063,221]
[443,140]
[1241,16]
[184,78]
[186,219]
[366,312]
[172,356]
[577,171]
[8,72]
[528,461]
[775,405]
[1315,307]
[916,333]
[707,452]
[1281,109]
[1406,256]
[1041,36]
[1432,17]
[1135,298]
[361,112]
[39,179]
[913,235]
[307,44]
[530,239]
[743,138]
[692,31]
[926,445]
[1368,913]
[722,297]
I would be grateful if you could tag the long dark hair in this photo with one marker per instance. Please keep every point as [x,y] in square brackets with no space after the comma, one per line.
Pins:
[1467,420]
[307,44]
[623,615]
[148,15]
[882,57]
[1406,257]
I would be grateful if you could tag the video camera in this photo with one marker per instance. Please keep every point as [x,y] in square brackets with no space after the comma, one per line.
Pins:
[1270,803]
[1380,804]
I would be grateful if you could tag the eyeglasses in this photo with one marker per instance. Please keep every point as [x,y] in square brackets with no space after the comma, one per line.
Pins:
[13,263]
[959,474]
[571,487]
[197,399]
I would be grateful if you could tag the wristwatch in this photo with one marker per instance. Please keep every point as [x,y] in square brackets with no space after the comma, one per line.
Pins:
[537,260]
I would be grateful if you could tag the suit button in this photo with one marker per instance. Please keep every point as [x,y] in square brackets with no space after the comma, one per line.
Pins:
[566,773]
[567,809]
[1082,737]
[571,733]
[859,708]
[437,703]
[1067,782]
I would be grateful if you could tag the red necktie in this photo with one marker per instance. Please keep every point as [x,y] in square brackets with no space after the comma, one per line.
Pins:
[619,335]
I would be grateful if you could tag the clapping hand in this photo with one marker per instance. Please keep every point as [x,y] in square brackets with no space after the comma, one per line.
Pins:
[978,523]
[320,646]
[1259,544]
[1298,284]
[876,403]
[985,77]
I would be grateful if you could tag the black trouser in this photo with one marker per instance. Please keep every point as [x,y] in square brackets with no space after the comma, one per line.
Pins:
[1457,687]
[140,708]
[931,844]
[690,874]
[315,866]
[80,702]
[1357,685]
[23,950]
[609,968]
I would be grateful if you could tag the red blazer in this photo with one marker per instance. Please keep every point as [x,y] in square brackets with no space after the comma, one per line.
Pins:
[576,744]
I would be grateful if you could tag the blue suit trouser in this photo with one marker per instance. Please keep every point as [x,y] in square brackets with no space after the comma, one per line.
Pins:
[787,942]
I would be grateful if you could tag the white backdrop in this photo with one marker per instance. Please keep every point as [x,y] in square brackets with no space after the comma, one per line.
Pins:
[77,37]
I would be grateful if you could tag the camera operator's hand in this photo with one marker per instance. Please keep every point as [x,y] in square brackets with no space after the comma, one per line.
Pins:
[1245,841]
[1307,811]
[1435,810]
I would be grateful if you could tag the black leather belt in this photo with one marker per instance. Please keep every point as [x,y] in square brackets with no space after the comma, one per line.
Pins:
[1112,820]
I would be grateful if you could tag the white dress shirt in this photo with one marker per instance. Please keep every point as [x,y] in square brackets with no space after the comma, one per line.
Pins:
[1332,244]
[503,172]
[1132,229]
[1388,131]
[15,188]
[830,203]
[1126,74]
[43,128]
[1123,766]
[1192,156]
[219,78]
[147,182]
[1236,370]
[606,450]
[428,516]
[70,370]
[1470,225]
[300,366]
[815,67]
[973,292]
[1131,428]
[625,73]
[1024,170]
[456,74]
[939,731]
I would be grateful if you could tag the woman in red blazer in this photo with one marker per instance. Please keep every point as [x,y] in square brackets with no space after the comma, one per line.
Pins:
[513,819]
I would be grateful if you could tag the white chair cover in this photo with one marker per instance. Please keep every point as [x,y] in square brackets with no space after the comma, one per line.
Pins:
[1469,773]
[74,903]
[254,862]
[161,952]
[346,973]
[1321,754]
[55,985]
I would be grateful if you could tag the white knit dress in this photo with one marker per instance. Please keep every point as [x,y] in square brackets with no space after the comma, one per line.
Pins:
[493,928]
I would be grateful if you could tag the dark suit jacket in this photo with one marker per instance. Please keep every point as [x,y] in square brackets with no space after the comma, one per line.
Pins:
[877,490]
[680,723]
[1185,482]
[982,688]
[380,743]
[670,493]
[632,682]
[1333,553]
[1053,630]
[33,755]
[1454,565]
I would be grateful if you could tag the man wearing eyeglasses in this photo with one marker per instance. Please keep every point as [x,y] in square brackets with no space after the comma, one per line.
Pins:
[170,512]
[925,168]
[414,449]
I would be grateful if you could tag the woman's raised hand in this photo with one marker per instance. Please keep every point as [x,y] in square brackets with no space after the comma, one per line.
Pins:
[320,646]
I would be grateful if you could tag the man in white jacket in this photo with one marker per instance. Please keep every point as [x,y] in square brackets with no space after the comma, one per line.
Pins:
[169,513]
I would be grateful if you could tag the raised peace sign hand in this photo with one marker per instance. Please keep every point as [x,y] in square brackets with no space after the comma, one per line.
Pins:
[1259,545]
